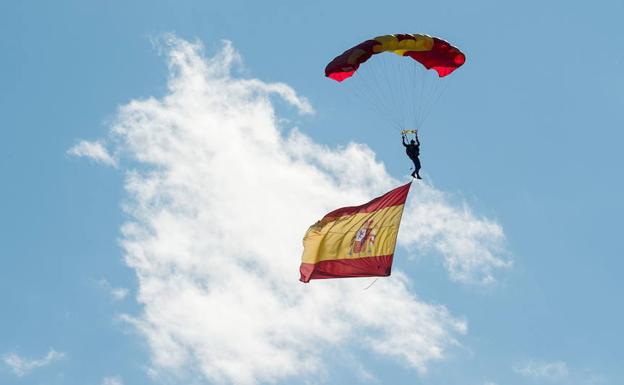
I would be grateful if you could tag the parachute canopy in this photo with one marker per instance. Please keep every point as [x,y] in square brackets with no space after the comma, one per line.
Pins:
[431,52]
[399,88]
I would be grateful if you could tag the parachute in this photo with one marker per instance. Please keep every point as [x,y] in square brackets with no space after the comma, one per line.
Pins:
[398,87]
[431,52]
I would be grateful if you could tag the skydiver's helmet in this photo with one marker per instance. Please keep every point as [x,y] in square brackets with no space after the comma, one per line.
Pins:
[412,141]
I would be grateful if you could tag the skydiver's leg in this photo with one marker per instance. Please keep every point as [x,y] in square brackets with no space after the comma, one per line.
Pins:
[413,174]
[416,168]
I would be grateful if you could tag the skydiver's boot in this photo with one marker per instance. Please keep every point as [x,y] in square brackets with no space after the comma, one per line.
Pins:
[414,175]
[418,176]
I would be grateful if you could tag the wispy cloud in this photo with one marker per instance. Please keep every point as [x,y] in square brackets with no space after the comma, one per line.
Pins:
[117,293]
[539,370]
[92,150]
[21,366]
[116,380]
[220,197]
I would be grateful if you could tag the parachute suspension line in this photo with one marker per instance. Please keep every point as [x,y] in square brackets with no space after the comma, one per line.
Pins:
[373,94]
[390,90]
[409,93]
[431,87]
[365,91]
[416,94]
[399,93]
[386,90]
[423,83]
[431,90]
[371,284]
[362,93]
[395,88]
[398,82]
[437,92]
[416,98]
[408,100]
[397,72]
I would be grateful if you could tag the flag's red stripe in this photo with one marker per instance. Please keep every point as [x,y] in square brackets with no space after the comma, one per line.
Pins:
[379,266]
[392,198]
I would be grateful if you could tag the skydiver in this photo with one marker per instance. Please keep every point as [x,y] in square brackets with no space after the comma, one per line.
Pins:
[413,151]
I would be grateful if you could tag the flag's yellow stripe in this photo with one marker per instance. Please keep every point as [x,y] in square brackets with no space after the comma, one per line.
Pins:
[333,240]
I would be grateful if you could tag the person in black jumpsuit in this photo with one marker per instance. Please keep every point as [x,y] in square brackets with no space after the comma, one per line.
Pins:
[412,149]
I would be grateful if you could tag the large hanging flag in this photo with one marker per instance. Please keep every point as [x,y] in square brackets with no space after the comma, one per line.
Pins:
[356,241]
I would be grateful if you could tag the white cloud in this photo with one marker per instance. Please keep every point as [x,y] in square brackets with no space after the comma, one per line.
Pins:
[117,293]
[470,246]
[21,366]
[219,198]
[116,380]
[93,150]
[551,371]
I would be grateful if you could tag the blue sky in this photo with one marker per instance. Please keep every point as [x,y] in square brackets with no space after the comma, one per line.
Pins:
[527,136]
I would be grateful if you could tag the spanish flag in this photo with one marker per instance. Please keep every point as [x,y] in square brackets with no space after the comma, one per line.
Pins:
[356,241]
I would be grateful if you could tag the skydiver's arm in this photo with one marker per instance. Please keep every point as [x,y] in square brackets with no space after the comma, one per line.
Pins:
[404,144]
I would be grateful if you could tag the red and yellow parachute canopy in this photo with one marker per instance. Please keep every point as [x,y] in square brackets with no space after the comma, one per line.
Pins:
[398,87]
[431,52]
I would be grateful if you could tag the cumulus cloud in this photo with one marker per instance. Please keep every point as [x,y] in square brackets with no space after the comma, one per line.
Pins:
[537,370]
[470,246]
[92,150]
[219,195]
[21,366]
